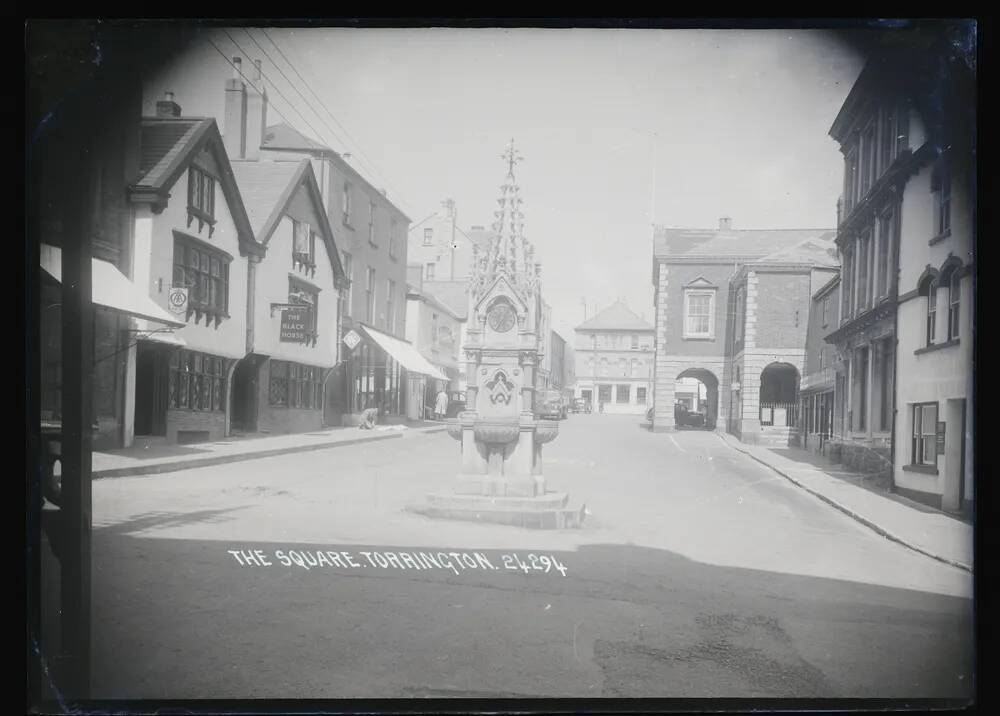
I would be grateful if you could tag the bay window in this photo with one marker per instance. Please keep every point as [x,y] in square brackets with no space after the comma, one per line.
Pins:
[204,271]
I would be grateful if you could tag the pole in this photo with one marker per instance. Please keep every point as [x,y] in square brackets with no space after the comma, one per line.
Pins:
[454,219]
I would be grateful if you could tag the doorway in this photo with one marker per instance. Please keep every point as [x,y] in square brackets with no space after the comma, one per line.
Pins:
[244,408]
[152,386]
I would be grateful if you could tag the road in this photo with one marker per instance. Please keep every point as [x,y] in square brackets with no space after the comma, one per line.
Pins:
[698,573]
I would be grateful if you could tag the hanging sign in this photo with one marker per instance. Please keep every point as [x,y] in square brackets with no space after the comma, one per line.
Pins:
[352,339]
[178,300]
[294,324]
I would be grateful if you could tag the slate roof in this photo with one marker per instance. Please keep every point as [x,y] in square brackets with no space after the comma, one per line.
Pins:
[618,317]
[167,145]
[282,136]
[267,187]
[815,252]
[756,243]
[453,294]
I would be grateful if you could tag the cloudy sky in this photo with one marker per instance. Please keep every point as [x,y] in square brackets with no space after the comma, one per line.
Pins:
[619,129]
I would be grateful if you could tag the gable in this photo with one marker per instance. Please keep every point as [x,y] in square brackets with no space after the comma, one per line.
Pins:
[700,282]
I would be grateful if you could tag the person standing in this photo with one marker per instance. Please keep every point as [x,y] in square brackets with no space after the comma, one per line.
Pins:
[441,405]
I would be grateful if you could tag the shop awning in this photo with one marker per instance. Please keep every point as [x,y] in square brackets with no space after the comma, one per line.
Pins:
[111,289]
[404,353]
[167,337]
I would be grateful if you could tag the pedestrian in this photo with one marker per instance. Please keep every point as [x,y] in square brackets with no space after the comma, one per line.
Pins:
[441,405]
[368,417]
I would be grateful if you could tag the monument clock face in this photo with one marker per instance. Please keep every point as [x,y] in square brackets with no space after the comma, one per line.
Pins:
[501,318]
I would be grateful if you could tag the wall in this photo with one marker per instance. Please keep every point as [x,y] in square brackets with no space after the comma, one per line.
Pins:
[679,275]
[783,301]
[272,287]
[154,268]
[816,345]
[277,419]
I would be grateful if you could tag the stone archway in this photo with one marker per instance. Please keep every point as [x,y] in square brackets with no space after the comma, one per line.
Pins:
[779,395]
[711,400]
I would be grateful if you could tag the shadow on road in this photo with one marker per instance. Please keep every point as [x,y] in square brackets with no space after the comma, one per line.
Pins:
[178,618]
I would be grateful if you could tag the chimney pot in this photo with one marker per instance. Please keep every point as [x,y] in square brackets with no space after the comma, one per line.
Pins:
[256,70]
[166,107]
[725,224]
[237,67]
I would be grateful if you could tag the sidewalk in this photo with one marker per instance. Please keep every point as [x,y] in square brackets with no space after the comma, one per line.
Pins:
[155,459]
[918,527]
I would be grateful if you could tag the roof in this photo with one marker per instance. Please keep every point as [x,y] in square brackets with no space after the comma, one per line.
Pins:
[282,136]
[431,300]
[814,252]
[616,317]
[453,294]
[167,146]
[747,243]
[268,187]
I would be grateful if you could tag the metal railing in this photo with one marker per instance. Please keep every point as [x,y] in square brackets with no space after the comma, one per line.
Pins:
[779,415]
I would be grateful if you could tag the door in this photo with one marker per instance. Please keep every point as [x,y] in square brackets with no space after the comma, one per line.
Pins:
[244,408]
[152,376]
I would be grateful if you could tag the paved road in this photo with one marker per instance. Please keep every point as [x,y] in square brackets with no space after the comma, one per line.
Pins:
[698,573]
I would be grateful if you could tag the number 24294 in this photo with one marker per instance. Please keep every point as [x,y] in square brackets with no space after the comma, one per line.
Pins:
[541,563]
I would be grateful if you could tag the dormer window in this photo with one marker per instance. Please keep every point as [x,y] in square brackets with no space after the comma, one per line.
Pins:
[201,199]
[303,246]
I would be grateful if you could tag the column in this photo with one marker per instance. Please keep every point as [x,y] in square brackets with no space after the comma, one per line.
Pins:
[664,370]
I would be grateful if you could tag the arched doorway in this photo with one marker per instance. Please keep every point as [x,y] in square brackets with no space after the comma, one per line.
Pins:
[696,390]
[779,395]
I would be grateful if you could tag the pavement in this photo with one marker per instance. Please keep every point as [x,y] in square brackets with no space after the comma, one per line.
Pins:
[699,572]
[928,531]
[155,459]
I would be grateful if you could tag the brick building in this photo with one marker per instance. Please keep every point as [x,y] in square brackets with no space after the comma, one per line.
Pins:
[731,311]
[614,361]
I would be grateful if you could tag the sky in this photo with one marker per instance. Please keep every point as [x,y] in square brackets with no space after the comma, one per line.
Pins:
[619,129]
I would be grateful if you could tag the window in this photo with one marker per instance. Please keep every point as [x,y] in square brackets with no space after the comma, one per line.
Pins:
[739,318]
[197,381]
[640,396]
[349,291]
[954,304]
[885,383]
[861,380]
[605,370]
[434,329]
[293,385]
[428,237]
[931,311]
[201,196]
[887,144]
[390,307]
[636,365]
[698,308]
[621,393]
[864,251]
[846,286]
[204,271]
[303,294]
[885,241]
[942,189]
[867,159]
[370,296]
[604,393]
[850,180]
[428,272]
[345,204]
[924,446]
[635,341]
[303,244]
[371,222]
[393,231]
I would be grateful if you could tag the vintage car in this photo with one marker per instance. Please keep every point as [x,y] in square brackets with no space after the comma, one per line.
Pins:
[580,405]
[550,405]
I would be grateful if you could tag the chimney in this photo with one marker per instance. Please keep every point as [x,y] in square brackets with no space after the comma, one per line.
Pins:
[235,120]
[256,112]
[166,107]
[725,224]
[477,228]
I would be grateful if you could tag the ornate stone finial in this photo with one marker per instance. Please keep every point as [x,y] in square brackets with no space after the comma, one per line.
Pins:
[507,250]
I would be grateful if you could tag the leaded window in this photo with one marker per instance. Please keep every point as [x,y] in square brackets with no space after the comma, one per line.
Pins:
[197,381]
[204,271]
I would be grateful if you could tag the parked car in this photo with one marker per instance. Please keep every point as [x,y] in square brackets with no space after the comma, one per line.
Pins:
[580,405]
[688,418]
[550,405]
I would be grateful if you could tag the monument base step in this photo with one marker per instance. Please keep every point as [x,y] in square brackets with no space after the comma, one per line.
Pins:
[547,512]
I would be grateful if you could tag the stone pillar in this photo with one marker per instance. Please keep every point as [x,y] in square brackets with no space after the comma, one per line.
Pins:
[664,373]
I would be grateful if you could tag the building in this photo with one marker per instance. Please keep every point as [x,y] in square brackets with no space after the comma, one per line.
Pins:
[193,248]
[435,330]
[819,420]
[614,356]
[557,362]
[906,232]
[442,249]
[731,312]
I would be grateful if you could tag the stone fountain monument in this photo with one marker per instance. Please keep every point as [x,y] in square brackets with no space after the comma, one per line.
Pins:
[500,478]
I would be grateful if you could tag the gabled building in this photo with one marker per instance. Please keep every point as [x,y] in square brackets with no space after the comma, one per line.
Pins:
[435,330]
[731,312]
[192,251]
[906,234]
[614,361]
[293,336]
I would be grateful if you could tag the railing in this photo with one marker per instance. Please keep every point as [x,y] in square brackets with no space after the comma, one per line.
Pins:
[779,415]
